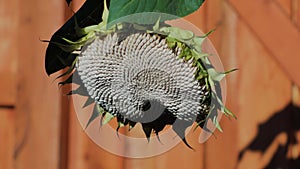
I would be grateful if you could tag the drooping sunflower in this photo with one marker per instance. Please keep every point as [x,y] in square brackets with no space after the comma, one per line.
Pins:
[156,75]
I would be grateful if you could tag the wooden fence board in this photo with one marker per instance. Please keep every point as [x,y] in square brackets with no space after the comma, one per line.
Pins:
[264,17]
[262,93]
[221,151]
[178,157]
[84,153]
[8,53]
[286,6]
[7,120]
[38,106]
[239,47]
[296,10]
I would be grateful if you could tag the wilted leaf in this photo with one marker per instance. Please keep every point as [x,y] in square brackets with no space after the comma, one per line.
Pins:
[217,124]
[216,76]
[89,14]
[107,118]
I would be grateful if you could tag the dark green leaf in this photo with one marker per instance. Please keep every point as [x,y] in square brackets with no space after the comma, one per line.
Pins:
[179,8]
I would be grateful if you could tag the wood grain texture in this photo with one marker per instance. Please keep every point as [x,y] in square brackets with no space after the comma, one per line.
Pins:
[296,6]
[38,106]
[254,92]
[7,121]
[286,6]
[262,93]
[84,153]
[221,151]
[8,51]
[178,157]
[295,12]
[264,17]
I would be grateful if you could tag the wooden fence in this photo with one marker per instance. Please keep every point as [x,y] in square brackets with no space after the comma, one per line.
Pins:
[39,128]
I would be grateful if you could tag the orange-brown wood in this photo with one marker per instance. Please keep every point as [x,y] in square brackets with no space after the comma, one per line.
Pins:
[221,151]
[84,153]
[7,120]
[254,93]
[198,18]
[296,12]
[286,6]
[264,17]
[8,53]
[38,106]
[183,157]
[178,157]
[272,92]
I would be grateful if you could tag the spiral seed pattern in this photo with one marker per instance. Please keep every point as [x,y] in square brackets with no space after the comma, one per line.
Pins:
[123,75]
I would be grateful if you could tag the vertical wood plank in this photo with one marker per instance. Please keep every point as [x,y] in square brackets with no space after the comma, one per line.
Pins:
[198,18]
[254,93]
[221,151]
[38,106]
[8,53]
[65,107]
[296,12]
[84,153]
[286,6]
[182,157]
[75,150]
[263,90]
[7,120]
[177,158]
[268,14]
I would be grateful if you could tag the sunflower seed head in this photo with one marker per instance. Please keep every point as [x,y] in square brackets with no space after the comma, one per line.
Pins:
[139,78]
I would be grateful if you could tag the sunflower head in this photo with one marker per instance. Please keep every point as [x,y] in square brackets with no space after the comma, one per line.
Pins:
[156,75]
